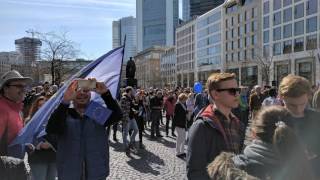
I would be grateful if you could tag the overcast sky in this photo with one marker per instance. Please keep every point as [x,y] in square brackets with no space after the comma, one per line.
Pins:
[89,22]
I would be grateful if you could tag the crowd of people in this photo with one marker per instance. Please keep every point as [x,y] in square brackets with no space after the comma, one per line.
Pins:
[230,131]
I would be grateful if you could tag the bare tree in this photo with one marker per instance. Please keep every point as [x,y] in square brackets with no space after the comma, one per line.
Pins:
[57,47]
[264,61]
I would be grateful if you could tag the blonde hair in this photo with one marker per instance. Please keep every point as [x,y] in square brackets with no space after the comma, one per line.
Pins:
[215,79]
[182,97]
[294,86]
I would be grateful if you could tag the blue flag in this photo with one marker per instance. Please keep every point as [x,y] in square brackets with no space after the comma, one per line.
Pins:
[97,112]
[105,69]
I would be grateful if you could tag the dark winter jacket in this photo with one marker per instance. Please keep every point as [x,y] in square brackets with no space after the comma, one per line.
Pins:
[259,160]
[82,141]
[307,129]
[206,141]
[180,116]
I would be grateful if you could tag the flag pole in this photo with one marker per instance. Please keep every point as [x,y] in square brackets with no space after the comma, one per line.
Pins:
[119,84]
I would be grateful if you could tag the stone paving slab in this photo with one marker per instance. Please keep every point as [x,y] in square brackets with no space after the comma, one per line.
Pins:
[156,161]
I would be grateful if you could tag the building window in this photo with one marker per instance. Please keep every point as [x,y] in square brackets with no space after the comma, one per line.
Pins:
[254,26]
[298,44]
[266,51]
[298,11]
[231,21]
[311,24]
[287,15]
[226,23]
[266,7]
[287,47]
[266,36]
[248,27]
[265,22]
[287,31]
[277,49]
[287,2]
[312,6]
[253,13]
[253,55]
[253,40]
[298,28]
[277,33]
[311,42]
[277,18]
[276,4]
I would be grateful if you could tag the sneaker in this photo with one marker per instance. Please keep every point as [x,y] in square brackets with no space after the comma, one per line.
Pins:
[159,136]
[173,135]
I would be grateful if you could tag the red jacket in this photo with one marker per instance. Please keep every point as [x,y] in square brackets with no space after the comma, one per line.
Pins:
[10,117]
[169,107]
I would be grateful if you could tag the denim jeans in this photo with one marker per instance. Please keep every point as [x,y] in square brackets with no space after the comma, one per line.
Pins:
[131,124]
[155,117]
[41,171]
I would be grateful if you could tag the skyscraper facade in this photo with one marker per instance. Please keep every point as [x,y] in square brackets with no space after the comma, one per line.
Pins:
[156,22]
[125,28]
[199,7]
[29,49]
[186,10]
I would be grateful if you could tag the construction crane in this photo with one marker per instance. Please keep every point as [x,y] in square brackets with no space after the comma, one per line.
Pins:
[32,32]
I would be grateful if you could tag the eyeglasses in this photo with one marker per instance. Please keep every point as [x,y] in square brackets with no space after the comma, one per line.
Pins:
[19,86]
[231,91]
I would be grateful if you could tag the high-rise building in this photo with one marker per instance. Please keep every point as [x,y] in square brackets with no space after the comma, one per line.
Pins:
[148,67]
[168,61]
[199,7]
[242,39]
[156,22]
[291,38]
[125,28]
[29,48]
[208,44]
[186,10]
[116,34]
[185,50]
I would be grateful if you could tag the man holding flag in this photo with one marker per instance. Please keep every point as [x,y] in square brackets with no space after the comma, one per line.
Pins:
[82,145]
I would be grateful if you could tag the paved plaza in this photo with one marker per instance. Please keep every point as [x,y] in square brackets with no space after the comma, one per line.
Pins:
[156,161]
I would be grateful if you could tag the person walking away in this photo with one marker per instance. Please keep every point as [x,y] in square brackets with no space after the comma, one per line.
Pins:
[156,106]
[169,106]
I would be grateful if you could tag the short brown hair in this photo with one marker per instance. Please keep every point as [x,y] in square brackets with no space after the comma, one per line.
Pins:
[215,79]
[294,86]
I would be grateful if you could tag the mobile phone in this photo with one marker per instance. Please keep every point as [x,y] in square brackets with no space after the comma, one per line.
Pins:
[86,84]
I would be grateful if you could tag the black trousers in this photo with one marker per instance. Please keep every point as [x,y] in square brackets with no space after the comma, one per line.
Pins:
[169,118]
[140,123]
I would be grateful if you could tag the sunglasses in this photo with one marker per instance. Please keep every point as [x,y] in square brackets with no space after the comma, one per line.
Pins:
[231,91]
